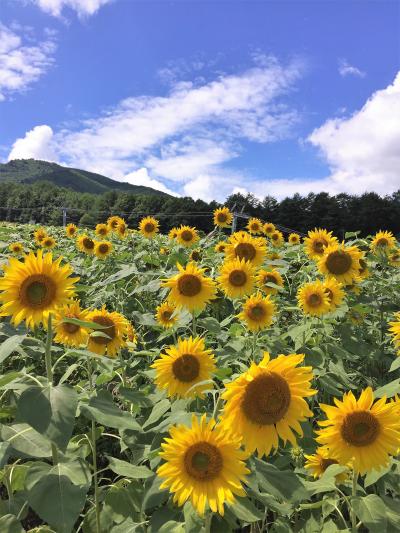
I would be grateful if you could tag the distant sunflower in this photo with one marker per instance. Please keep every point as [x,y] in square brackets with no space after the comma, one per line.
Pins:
[241,245]
[269,276]
[269,228]
[395,330]
[220,247]
[34,288]
[277,238]
[267,402]
[195,255]
[222,217]
[39,235]
[316,242]
[122,229]
[131,335]
[394,257]
[17,248]
[363,271]
[255,226]
[294,238]
[383,241]
[71,230]
[356,316]
[361,431]
[112,222]
[48,242]
[187,236]
[102,249]
[148,227]
[183,370]
[257,312]
[341,262]
[236,278]
[335,292]
[190,288]
[111,338]
[204,464]
[313,299]
[273,256]
[173,232]
[67,333]
[85,244]
[166,315]
[320,461]
[102,230]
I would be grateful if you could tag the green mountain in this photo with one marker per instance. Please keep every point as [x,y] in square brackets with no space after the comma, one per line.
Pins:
[32,170]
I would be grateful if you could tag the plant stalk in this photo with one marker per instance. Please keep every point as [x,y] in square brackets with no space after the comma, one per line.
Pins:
[354,494]
[94,453]
[49,373]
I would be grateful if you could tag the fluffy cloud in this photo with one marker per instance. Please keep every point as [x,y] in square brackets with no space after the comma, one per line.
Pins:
[141,177]
[20,64]
[36,144]
[83,8]
[345,69]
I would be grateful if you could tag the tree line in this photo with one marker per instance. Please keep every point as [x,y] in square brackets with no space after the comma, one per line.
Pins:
[42,203]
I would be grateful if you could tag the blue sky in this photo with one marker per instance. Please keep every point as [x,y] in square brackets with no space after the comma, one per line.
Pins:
[206,98]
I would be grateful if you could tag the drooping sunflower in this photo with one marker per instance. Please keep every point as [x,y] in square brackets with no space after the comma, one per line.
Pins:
[190,288]
[39,235]
[222,217]
[166,315]
[277,238]
[294,238]
[257,312]
[204,464]
[17,248]
[316,242]
[341,262]
[394,257]
[122,229]
[111,337]
[68,333]
[183,370]
[187,236]
[34,288]
[269,276]
[313,299]
[48,242]
[395,330]
[236,278]
[148,227]
[102,230]
[71,230]
[102,249]
[318,462]
[269,228]
[267,402]
[173,232]
[112,222]
[255,226]
[382,242]
[220,247]
[334,291]
[85,244]
[241,245]
[361,431]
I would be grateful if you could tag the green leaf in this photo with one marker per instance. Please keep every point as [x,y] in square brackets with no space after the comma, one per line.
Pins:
[193,523]
[283,484]
[371,510]
[102,409]
[245,510]
[136,397]
[50,411]
[395,365]
[10,524]
[4,453]
[10,345]
[211,324]
[24,439]
[389,390]
[129,526]
[158,411]
[327,482]
[125,469]
[8,378]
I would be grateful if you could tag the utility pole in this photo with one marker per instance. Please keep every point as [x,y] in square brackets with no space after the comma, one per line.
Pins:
[64,215]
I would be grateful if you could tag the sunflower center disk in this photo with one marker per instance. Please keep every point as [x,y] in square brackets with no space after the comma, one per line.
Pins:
[88,243]
[314,300]
[203,461]
[325,463]
[108,329]
[245,250]
[270,279]
[187,235]
[237,278]
[37,291]
[382,242]
[360,428]
[149,227]
[69,327]
[329,294]
[186,368]
[222,217]
[338,262]
[257,312]
[267,399]
[319,246]
[103,248]
[189,285]
[167,315]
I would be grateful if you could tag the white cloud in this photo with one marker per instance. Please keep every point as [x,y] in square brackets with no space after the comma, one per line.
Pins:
[83,8]
[141,177]
[20,64]
[36,144]
[345,69]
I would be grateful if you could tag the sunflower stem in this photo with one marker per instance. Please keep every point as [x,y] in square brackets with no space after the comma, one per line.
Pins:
[94,452]
[207,522]
[194,324]
[353,495]
[49,373]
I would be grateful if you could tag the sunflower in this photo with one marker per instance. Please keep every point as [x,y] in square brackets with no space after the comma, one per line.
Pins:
[102,249]
[39,235]
[111,338]
[112,222]
[48,242]
[173,232]
[148,227]
[383,241]
[222,217]
[236,278]
[277,238]
[166,315]
[294,238]
[267,402]
[195,255]
[190,288]
[269,276]
[183,370]
[17,248]
[220,247]
[122,229]
[320,461]
[268,228]
[131,335]
[71,230]
[394,257]
[317,241]
[313,299]
[361,431]
[257,312]
[34,288]
[341,262]
[395,330]
[356,316]
[204,463]
[255,226]
[334,291]
[187,236]
[273,256]
[67,333]
[363,271]
[102,230]
[241,245]
[85,244]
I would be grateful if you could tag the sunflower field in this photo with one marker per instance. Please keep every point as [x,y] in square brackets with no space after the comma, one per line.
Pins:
[236,381]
